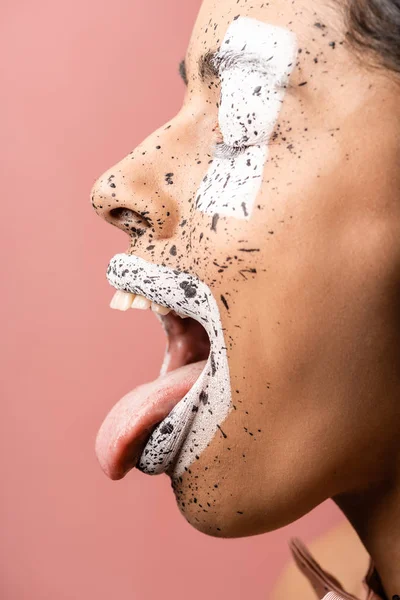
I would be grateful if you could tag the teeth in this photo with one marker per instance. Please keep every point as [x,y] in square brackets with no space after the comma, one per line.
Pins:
[141,302]
[161,310]
[121,300]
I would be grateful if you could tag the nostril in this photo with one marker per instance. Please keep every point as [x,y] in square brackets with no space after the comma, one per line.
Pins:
[122,214]
[130,220]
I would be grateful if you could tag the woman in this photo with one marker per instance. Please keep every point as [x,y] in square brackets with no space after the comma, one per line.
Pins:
[263,226]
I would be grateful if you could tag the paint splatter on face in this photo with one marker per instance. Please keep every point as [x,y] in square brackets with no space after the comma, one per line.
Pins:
[253,64]
[242,212]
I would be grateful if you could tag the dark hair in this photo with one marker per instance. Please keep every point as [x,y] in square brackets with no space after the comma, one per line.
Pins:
[375,25]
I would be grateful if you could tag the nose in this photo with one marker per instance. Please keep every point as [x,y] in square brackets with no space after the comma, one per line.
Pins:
[136,196]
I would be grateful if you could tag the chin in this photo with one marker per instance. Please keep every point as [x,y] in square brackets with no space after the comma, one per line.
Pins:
[217,524]
[220,517]
[234,509]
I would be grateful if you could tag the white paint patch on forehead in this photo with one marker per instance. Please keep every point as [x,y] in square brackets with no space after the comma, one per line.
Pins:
[254,63]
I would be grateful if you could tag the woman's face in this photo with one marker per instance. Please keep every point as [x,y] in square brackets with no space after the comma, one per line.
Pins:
[290,240]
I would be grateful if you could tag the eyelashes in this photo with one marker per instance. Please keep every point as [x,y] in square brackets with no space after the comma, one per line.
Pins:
[222,150]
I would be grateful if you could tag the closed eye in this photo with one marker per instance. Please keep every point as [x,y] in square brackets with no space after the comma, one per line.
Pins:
[222,150]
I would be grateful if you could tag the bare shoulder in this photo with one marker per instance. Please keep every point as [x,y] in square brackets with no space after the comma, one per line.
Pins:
[340,552]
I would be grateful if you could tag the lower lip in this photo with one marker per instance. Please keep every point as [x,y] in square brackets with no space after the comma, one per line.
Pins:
[162,449]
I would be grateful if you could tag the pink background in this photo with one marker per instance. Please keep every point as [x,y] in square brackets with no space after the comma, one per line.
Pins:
[82,84]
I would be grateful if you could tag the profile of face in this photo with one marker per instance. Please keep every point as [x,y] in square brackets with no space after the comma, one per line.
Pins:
[265,211]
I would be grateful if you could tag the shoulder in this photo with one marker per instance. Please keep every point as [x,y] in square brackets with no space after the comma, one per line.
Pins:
[339,552]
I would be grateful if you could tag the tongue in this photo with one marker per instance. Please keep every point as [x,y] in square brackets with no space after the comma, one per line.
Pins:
[124,433]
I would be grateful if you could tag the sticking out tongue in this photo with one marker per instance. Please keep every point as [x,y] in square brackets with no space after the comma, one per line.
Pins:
[126,429]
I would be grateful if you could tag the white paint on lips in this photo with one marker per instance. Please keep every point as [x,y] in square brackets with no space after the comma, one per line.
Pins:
[193,424]
[252,92]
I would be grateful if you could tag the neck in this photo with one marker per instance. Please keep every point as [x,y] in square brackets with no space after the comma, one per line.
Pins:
[375,515]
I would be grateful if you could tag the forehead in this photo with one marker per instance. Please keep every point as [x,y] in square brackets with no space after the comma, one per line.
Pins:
[314,23]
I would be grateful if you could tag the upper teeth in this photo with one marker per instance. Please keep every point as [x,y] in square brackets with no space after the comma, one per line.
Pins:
[123,300]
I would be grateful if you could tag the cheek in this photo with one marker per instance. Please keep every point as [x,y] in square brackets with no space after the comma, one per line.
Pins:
[230,186]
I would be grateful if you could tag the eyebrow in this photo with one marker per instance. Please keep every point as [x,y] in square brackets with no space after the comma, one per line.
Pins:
[206,67]
[209,63]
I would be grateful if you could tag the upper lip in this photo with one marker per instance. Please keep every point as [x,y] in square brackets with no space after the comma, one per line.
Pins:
[150,280]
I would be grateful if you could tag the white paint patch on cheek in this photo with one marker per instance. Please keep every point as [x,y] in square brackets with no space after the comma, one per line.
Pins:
[255,61]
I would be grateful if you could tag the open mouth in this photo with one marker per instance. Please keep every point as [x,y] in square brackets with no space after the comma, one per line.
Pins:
[163,426]
[126,431]
[187,341]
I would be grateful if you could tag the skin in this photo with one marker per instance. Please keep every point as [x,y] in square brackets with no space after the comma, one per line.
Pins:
[312,327]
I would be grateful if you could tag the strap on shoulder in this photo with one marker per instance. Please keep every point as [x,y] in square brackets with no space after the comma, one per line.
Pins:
[323,583]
